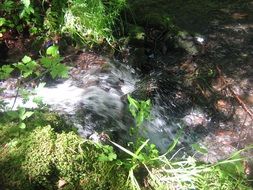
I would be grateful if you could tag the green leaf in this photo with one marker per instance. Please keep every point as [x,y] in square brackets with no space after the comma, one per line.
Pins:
[26,115]
[31,65]
[26,59]
[112,156]
[50,62]
[22,14]
[59,70]
[125,150]
[27,74]
[140,118]
[38,100]
[141,147]
[7,6]
[20,66]
[46,62]
[7,68]
[29,10]
[13,114]
[12,143]
[132,102]
[5,71]
[22,125]
[53,51]
[103,158]
[2,21]
[27,66]
[40,86]
[25,94]
[26,3]
[175,141]
[21,112]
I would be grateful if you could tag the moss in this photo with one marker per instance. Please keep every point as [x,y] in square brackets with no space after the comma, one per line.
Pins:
[40,156]
[77,163]
[217,179]
[38,163]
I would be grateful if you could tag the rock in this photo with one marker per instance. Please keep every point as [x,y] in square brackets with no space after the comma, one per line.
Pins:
[186,42]
[196,118]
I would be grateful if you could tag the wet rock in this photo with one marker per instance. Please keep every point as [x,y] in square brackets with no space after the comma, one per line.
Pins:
[196,118]
[17,50]
[186,42]
[95,137]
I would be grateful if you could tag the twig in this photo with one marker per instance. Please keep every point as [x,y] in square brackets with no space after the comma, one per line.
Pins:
[16,96]
[240,101]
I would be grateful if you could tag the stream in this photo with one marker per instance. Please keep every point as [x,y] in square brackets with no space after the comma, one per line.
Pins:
[184,86]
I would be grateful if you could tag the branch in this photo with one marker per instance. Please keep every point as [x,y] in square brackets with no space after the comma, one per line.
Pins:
[239,100]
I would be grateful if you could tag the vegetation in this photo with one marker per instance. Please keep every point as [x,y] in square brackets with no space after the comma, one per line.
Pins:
[39,150]
[91,22]
[47,154]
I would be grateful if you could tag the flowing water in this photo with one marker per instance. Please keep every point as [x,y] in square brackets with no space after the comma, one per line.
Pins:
[94,98]
[94,101]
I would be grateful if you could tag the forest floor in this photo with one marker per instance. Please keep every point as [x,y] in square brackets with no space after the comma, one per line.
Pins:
[219,70]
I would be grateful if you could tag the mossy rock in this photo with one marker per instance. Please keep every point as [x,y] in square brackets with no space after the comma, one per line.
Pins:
[40,157]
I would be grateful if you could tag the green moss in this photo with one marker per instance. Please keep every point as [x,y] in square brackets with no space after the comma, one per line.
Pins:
[77,162]
[41,155]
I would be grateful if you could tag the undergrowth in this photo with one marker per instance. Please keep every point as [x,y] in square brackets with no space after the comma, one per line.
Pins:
[92,21]
[89,22]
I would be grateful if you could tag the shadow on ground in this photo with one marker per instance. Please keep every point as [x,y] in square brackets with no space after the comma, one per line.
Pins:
[217,77]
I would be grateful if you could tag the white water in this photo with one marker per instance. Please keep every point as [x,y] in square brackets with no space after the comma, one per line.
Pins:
[89,99]
[94,101]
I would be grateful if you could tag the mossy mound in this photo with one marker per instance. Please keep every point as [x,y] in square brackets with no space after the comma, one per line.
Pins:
[45,157]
